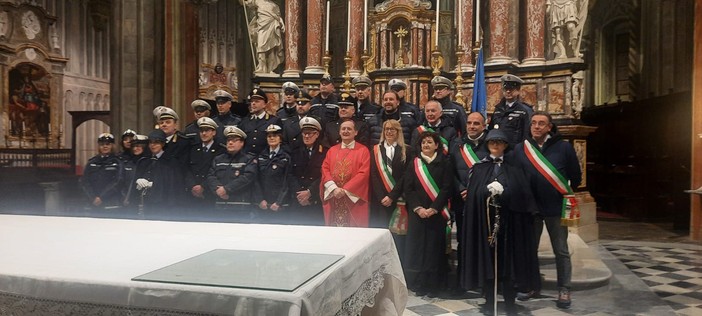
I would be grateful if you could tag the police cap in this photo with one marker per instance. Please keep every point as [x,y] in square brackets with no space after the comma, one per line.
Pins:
[497,134]
[106,138]
[232,131]
[222,96]
[346,99]
[441,82]
[163,112]
[258,93]
[290,88]
[273,128]
[511,81]
[303,97]
[200,106]
[206,122]
[140,139]
[326,78]
[157,136]
[310,122]
[397,84]
[128,132]
[361,81]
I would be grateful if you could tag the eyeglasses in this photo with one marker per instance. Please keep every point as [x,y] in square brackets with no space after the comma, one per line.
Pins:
[309,134]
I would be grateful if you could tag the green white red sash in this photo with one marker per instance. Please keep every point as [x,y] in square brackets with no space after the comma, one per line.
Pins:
[429,185]
[398,220]
[469,156]
[570,212]
[444,141]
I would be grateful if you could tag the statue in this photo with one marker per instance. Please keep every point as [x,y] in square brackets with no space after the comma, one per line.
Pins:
[266,29]
[4,21]
[578,93]
[563,17]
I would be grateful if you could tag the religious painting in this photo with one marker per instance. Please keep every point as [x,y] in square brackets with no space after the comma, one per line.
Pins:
[494,95]
[580,146]
[556,98]
[528,94]
[29,112]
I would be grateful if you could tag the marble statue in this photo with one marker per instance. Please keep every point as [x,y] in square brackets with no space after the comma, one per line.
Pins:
[4,21]
[563,16]
[266,29]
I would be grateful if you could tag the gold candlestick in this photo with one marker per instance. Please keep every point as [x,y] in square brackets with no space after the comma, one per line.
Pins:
[326,60]
[459,78]
[347,75]
[437,61]
[365,57]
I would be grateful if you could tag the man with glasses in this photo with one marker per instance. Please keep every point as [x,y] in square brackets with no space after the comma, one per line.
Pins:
[289,107]
[103,175]
[306,206]
[511,114]
[200,109]
[454,112]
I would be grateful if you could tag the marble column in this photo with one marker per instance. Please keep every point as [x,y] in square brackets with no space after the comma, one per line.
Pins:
[315,36]
[467,33]
[696,161]
[383,36]
[415,44]
[293,28]
[535,37]
[356,40]
[499,32]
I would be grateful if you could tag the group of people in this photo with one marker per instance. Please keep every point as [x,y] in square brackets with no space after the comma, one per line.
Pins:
[342,160]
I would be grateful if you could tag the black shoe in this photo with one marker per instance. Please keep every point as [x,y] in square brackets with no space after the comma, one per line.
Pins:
[525,296]
[563,298]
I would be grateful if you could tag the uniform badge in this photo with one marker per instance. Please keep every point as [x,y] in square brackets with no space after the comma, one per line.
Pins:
[497,126]
[275,167]
[510,118]
[236,173]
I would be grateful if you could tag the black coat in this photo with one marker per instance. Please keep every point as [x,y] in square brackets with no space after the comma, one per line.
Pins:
[166,193]
[515,121]
[237,173]
[102,177]
[178,148]
[406,117]
[307,173]
[444,129]
[366,110]
[326,109]
[274,175]
[255,130]
[380,215]
[456,113]
[516,248]
[199,164]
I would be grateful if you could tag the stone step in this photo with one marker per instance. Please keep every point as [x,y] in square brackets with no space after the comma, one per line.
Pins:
[589,271]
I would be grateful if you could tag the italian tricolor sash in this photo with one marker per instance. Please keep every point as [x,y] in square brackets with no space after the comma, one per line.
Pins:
[570,212]
[444,142]
[429,185]
[398,220]
[469,156]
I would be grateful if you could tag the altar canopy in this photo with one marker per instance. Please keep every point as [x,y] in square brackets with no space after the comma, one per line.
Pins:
[75,266]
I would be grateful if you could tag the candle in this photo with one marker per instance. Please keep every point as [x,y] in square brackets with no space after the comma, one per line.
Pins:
[49,128]
[22,126]
[459,29]
[348,28]
[436,43]
[477,21]
[326,47]
[365,25]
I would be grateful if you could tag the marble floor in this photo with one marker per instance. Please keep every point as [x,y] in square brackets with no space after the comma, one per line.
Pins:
[656,271]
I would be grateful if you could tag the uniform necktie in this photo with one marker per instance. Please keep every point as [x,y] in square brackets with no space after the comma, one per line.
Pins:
[272,154]
[497,165]
[309,152]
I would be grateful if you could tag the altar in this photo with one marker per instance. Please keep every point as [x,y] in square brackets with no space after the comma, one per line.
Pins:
[85,266]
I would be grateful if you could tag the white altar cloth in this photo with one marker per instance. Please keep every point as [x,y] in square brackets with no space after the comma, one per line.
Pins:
[81,266]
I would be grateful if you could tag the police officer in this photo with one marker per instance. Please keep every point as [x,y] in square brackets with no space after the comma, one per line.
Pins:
[307,161]
[392,110]
[201,109]
[138,152]
[274,174]
[347,110]
[511,115]
[225,116]
[127,137]
[400,87]
[324,104]
[177,145]
[289,107]
[365,107]
[199,163]
[255,124]
[103,176]
[292,134]
[453,111]
[232,178]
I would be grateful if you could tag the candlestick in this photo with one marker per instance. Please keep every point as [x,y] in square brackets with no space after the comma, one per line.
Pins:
[365,25]
[326,43]
[436,43]
[460,22]
[365,57]
[437,61]
[459,77]
[347,75]
[326,60]
[348,28]
[477,21]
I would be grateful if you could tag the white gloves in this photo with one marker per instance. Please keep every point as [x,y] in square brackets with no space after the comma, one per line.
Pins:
[143,184]
[495,188]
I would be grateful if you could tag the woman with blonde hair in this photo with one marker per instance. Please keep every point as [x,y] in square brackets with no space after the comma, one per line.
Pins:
[389,160]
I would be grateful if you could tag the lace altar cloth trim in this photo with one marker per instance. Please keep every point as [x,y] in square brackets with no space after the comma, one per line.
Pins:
[365,295]
[20,305]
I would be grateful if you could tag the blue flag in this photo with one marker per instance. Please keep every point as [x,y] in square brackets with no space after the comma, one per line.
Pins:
[479,103]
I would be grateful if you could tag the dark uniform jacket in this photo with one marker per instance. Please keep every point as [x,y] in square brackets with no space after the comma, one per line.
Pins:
[199,164]
[444,129]
[237,173]
[255,130]
[192,131]
[366,110]
[561,155]
[102,177]
[456,113]
[326,109]
[285,113]
[274,176]
[178,148]
[407,120]
[227,119]
[307,170]
[167,189]
[292,133]
[332,137]
[380,215]
[514,120]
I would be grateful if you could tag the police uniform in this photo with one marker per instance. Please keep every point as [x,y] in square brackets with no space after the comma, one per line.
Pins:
[450,109]
[229,118]
[307,173]
[177,146]
[255,125]
[199,163]
[292,133]
[126,153]
[274,175]
[365,109]
[237,174]
[396,85]
[102,177]
[515,119]
[326,109]
[129,166]
[288,111]
[331,129]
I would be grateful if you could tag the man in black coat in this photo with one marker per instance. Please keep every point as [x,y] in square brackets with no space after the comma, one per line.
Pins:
[292,133]
[177,145]
[443,87]
[392,110]
[365,107]
[103,175]
[346,112]
[225,116]
[512,115]
[200,109]
[288,109]
[255,124]
[200,159]
[306,206]
[324,104]
[435,121]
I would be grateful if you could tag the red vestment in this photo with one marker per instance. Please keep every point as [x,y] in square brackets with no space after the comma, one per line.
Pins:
[350,170]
